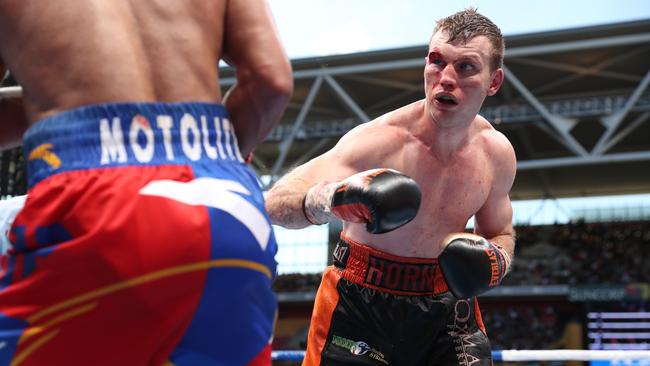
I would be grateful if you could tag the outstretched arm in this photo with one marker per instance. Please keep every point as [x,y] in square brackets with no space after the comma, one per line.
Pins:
[348,183]
[264,78]
[285,200]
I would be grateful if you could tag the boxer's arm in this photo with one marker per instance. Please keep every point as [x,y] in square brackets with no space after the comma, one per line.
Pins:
[355,152]
[494,220]
[382,199]
[474,263]
[284,201]
[264,78]
[13,121]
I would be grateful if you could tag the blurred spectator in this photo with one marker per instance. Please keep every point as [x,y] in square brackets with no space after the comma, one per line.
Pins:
[569,254]
[524,327]
[581,253]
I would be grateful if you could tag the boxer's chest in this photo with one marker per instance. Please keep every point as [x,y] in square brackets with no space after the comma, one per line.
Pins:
[451,195]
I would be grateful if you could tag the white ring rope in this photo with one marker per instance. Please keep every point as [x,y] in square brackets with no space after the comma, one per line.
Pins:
[524,355]
[11,92]
[572,355]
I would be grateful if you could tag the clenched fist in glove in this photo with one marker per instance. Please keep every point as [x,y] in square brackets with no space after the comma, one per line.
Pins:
[472,265]
[383,199]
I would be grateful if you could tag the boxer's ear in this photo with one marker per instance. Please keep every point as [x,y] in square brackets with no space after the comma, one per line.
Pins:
[496,81]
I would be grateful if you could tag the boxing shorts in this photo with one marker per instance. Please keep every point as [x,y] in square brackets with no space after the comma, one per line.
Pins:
[373,308]
[143,241]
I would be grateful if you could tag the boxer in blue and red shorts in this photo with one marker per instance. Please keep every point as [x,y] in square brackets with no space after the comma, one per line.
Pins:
[143,240]
[144,231]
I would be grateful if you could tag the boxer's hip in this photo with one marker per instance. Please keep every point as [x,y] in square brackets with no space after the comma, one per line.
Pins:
[173,166]
[370,267]
[130,134]
[375,308]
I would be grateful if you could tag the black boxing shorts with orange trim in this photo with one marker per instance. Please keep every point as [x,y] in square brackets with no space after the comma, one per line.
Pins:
[373,308]
[143,241]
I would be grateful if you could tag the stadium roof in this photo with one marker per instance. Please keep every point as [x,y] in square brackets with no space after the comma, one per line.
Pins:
[575,106]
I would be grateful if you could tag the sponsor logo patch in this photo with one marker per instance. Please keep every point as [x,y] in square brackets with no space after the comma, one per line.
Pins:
[43,152]
[359,348]
[462,335]
[413,277]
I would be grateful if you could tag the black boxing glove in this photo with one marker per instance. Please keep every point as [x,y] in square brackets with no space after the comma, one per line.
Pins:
[383,199]
[472,265]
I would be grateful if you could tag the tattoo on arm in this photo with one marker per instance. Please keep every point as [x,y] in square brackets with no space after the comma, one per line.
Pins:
[284,203]
[317,203]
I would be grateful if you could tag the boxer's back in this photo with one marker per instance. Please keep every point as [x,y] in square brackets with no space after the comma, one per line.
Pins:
[71,53]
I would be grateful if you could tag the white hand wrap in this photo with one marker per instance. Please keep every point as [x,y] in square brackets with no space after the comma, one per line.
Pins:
[9,208]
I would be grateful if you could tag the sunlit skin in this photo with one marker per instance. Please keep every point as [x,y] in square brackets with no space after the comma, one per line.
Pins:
[98,51]
[464,167]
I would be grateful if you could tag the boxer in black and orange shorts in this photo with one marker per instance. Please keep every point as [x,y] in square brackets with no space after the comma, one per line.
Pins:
[389,305]
[373,308]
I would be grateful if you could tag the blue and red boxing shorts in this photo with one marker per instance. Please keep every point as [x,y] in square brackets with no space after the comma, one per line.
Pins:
[143,241]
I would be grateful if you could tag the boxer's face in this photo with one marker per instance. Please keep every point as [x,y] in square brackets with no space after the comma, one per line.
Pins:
[457,78]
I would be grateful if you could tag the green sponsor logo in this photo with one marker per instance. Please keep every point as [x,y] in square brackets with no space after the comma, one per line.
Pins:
[359,348]
[343,342]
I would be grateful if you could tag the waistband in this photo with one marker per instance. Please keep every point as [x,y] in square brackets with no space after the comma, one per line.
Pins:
[373,268]
[121,134]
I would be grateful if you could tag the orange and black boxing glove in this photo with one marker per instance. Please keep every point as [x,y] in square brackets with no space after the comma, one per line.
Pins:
[383,199]
[472,265]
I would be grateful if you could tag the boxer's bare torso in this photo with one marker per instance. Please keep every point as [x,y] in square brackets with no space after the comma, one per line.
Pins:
[454,187]
[464,167]
[110,51]
[68,54]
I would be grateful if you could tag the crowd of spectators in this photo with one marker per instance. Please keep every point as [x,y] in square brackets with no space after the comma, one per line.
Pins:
[569,254]
[581,254]
[525,327]
[578,253]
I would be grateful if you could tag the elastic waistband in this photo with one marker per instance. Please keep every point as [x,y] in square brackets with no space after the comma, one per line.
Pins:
[373,268]
[121,134]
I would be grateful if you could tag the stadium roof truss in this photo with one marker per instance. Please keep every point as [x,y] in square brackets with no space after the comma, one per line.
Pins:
[575,105]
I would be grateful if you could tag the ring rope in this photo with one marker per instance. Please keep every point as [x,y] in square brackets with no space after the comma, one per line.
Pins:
[11,92]
[522,355]
[569,355]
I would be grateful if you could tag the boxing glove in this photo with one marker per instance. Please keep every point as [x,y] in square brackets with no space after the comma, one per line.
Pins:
[472,265]
[383,199]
